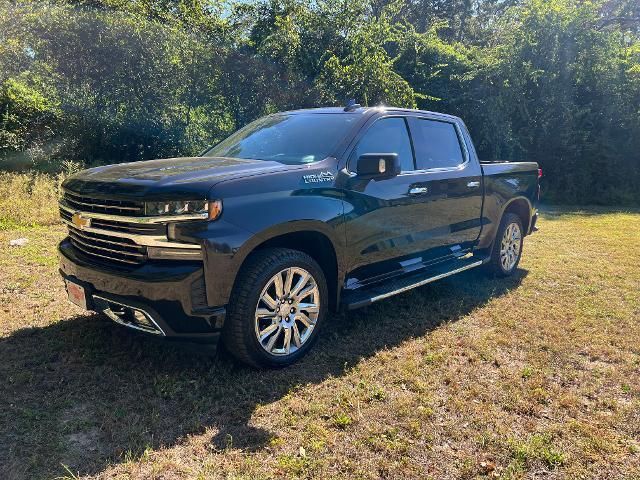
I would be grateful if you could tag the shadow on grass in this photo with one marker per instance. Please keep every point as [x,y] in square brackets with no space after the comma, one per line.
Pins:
[86,393]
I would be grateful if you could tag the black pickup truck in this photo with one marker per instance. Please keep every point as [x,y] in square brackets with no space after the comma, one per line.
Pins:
[295,214]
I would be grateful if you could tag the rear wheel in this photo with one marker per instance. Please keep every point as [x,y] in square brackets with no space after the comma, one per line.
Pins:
[507,247]
[277,307]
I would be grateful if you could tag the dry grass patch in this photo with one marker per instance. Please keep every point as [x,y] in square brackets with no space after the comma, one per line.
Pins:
[536,375]
[28,199]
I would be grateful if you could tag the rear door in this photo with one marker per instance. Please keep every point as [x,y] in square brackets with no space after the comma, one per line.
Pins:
[453,178]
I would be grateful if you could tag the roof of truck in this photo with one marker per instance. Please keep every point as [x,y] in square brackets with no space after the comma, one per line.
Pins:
[365,110]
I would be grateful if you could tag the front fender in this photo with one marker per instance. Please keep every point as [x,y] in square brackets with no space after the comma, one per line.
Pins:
[258,209]
[228,247]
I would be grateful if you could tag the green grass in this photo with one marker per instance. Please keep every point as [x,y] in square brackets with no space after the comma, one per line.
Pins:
[28,200]
[470,377]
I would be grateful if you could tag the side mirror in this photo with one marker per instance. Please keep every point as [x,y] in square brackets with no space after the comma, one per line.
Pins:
[378,165]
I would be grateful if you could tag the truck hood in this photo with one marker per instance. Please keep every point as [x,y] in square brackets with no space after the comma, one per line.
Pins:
[178,178]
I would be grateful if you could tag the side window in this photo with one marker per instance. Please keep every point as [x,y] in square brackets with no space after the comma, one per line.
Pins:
[388,135]
[438,145]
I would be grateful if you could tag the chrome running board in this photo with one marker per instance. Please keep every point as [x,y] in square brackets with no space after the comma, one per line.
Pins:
[363,297]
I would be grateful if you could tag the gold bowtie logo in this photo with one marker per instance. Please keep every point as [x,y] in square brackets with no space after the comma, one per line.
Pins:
[80,222]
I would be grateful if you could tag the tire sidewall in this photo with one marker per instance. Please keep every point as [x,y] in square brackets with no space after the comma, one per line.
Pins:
[259,354]
[507,220]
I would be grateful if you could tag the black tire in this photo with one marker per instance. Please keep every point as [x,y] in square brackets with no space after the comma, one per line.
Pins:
[495,266]
[239,333]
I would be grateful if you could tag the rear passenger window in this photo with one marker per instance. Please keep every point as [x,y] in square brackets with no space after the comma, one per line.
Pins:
[387,135]
[439,145]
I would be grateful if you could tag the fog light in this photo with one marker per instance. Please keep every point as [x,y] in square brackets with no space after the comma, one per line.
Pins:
[142,319]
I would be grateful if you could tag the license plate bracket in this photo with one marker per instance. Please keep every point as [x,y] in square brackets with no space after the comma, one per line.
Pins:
[77,294]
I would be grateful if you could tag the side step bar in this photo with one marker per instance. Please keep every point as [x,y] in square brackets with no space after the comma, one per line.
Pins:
[361,298]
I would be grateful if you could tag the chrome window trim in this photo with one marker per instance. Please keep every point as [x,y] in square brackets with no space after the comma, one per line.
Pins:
[122,218]
[367,127]
[406,116]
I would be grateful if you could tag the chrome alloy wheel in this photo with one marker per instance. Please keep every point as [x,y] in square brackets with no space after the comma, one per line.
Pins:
[287,311]
[510,246]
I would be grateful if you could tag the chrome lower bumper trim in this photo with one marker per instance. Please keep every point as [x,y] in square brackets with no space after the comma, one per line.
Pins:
[153,327]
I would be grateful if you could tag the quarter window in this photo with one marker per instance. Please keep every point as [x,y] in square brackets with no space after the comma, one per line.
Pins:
[439,145]
[388,135]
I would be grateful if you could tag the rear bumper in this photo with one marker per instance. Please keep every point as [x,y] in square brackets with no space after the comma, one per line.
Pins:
[167,298]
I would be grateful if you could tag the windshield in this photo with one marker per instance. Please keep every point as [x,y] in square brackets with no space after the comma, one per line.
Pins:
[287,138]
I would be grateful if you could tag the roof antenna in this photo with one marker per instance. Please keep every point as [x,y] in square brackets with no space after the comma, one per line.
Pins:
[351,105]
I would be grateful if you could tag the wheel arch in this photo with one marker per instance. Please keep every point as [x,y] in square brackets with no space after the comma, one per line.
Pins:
[520,206]
[315,240]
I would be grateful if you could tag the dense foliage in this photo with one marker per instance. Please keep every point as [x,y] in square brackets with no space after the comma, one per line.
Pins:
[103,81]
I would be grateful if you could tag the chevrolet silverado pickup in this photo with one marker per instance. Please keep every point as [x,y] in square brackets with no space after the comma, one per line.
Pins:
[296,214]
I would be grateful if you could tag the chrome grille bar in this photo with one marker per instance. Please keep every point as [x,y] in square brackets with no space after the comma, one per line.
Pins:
[107,257]
[140,228]
[130,219]
[89,204]
[100,206]
[74,239]
[116,249]
[92,238]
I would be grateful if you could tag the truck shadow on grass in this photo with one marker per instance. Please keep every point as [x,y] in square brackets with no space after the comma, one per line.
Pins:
[87,393]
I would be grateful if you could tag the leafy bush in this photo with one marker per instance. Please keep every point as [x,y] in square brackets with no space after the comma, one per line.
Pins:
[107,81]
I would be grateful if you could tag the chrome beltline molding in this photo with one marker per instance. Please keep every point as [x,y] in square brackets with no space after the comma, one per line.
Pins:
[122,218]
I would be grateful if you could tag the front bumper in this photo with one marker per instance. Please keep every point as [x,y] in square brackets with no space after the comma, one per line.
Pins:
[167,298]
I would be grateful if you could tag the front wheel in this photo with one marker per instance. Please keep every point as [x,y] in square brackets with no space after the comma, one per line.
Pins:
[507,247]
[277,307]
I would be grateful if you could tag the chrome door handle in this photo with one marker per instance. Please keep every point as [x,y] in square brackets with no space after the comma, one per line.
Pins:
[418,190]
[473,184]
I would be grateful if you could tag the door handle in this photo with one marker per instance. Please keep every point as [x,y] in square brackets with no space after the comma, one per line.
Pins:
[418,190]
[473,184]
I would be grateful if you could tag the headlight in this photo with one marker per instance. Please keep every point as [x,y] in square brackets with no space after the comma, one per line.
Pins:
[202,208]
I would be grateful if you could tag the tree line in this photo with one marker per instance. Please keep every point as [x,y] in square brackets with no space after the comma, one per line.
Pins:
[107,81]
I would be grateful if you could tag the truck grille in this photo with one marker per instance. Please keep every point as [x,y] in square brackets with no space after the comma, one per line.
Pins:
[100,205]
[117,231]
[107,247]
[118,226]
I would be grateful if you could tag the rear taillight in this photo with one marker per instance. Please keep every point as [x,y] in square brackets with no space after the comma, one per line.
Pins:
[539,173]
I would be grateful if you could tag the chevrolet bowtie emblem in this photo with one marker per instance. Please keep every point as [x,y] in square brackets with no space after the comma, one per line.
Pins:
[80,222]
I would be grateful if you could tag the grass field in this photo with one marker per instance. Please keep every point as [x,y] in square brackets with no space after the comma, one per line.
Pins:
[534,376]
